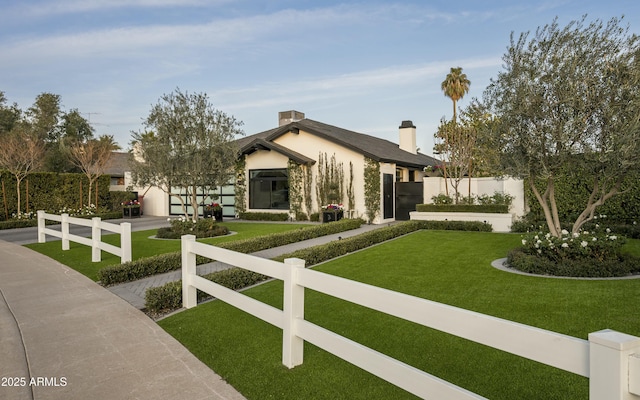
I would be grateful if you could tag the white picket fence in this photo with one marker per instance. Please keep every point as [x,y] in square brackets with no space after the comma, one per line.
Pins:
[611,360]
[95,241]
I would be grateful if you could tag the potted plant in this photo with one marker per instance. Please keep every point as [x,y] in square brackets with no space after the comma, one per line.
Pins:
[131,209]
[332,212]
[213,210]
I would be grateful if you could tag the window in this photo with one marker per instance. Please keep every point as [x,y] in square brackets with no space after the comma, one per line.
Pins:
[412,176]
[269,189]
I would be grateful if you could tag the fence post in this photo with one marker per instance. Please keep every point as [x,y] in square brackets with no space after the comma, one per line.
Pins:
[189,293]
[125,242]
[41,225]
[96,238]
[293,309]
[610,354]
[65,231]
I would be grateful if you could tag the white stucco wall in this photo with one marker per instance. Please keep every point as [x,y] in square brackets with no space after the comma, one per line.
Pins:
[311,146]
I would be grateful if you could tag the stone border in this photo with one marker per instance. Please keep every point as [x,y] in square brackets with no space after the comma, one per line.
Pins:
[501,264]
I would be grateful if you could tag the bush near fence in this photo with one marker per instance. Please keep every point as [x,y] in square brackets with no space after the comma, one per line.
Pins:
[169,296]
[148,266]
[26,223]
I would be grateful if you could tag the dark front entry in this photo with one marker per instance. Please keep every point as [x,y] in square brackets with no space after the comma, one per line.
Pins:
[408,194]
[387,195]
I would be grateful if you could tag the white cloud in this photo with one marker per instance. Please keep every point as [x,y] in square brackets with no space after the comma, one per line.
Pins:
[345,85]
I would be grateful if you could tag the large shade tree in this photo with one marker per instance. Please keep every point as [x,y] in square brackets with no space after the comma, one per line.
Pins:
[187,147]
[569,96]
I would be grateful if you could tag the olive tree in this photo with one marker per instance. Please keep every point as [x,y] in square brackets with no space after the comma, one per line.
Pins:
[188,146]
[569,96]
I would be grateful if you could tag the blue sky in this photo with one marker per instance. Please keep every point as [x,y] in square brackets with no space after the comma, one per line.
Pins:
[359,65]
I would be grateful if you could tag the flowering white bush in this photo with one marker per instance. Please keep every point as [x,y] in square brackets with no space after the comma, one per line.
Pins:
[23,215]
[90,209]
[596,244]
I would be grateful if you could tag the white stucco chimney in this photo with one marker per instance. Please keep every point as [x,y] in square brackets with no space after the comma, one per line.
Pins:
[286,117]
[408,137]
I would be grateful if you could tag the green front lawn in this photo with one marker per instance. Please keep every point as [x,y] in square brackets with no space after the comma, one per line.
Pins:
[78,256]
[448,267]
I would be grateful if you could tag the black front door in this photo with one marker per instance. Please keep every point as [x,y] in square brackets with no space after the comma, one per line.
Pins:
[387,195]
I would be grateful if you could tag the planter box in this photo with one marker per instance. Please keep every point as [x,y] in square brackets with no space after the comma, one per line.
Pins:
[499,222]
[213,214]
[332,215]
[131,212]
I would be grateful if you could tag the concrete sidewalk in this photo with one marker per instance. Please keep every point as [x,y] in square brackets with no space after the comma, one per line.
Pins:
[134,292]
[63,336]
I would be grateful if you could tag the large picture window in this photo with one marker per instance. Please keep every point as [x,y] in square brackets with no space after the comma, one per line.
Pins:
[269,189]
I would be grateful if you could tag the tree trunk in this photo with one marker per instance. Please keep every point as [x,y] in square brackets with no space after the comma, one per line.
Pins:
[543,200]
[18,187]
[589,212]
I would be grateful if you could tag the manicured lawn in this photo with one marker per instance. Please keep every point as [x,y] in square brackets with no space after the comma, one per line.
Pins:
[448,267]
[79,256]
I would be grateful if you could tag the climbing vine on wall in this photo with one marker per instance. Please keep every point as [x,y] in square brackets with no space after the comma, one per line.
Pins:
[371,188]
[351,196]
[330,182]
[296,177]
[241,185]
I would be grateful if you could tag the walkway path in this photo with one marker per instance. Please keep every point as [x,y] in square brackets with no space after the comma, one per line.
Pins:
[63,336]
[134,292]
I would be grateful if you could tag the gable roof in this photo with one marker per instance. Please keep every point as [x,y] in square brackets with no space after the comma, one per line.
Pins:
[380,150]
[118,165]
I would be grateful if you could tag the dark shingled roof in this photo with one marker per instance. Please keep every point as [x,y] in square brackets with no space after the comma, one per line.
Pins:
[118,165]
[375,148]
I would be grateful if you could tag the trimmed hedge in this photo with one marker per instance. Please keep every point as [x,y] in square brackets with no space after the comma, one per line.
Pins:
[474,208]
[52,191]
[169,296]
[141,268]
[264,216]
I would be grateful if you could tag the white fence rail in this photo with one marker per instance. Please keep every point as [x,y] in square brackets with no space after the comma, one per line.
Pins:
[610,359]
[95,241]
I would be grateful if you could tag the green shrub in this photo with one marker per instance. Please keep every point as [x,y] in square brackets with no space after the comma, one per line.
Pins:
[315,217]
[264,216]
[477,208]
[26,223]
[442,199]
[141,268]
[202,228]
[596,253]
[301,216]
[621,265]
[169,296]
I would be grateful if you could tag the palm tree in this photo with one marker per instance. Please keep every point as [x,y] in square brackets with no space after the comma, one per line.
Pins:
[455,86]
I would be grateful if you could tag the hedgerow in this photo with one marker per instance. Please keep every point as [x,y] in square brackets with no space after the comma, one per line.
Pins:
[143,267]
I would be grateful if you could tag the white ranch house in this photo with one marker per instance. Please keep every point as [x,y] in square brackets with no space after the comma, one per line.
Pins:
[267,155]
